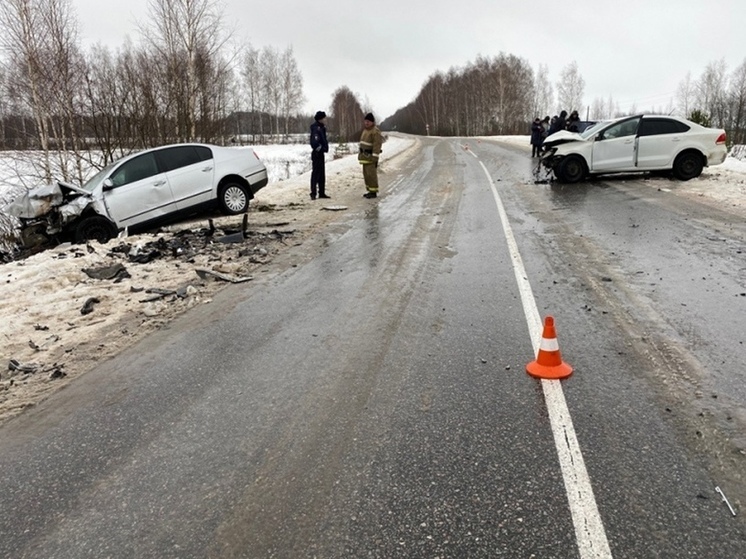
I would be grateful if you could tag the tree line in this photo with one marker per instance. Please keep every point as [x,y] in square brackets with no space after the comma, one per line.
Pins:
[183,82]
[186,81]
[503,94]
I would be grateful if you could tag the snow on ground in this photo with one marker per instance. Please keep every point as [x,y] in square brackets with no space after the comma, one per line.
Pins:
[721,185]
[41,323]
[42,326]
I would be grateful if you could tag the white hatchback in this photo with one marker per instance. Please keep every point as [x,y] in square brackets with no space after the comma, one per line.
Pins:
[142,190]
[635,144]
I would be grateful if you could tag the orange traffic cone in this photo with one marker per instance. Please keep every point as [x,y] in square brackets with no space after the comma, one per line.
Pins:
[549,364]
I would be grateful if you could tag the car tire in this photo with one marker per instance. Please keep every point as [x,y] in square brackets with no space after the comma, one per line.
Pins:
[95,228]
[233,199]
[571,169]
[688,165]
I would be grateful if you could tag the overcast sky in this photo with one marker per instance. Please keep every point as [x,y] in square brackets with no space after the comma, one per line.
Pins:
[636,51]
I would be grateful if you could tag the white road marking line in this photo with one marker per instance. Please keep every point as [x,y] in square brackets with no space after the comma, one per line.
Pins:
[589,529]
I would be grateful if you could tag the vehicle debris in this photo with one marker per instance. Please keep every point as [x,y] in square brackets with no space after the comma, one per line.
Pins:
[205,274]
[115,271]
[15,365]
[236,237]
[158,293]
[49,340]
[88,305]
[725,500]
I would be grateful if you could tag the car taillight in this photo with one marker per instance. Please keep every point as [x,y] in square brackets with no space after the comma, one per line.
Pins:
[721,139]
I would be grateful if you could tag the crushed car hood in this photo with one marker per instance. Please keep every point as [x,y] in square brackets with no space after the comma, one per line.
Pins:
[562,137]
[41,200]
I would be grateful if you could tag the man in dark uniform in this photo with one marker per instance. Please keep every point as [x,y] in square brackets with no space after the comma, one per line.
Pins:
[320,147]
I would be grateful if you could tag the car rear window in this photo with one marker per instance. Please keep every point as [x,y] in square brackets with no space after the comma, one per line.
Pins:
[179,156]
[658,126]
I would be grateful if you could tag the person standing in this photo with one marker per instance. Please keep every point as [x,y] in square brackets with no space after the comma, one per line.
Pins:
[319,147]
[370,151]
[545,125]
[573,122]
[537,137]
[559,124]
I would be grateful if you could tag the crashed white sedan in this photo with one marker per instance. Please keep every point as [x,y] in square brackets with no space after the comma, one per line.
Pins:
[140,191]
[637,143]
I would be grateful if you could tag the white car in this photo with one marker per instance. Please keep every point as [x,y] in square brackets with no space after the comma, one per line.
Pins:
[635,144]
[140,191]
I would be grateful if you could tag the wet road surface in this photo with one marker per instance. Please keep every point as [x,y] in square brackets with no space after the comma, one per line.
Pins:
[373,402]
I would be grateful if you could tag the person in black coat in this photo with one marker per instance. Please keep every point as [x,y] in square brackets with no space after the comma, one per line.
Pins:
[559,124]
[537,137]
[319,147]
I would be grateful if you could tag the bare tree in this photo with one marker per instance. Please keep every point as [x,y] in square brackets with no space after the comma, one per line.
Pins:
[570,88]
[42,62]
[710,93]
[292,87]
[737,104]
[685,95]
[544,92]
[187,34]
[347,114]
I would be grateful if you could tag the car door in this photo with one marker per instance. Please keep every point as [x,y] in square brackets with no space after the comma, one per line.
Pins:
[190,170]
[138,191]
[660,139]
[615,147]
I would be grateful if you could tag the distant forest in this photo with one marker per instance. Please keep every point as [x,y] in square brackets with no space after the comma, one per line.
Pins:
[185,80]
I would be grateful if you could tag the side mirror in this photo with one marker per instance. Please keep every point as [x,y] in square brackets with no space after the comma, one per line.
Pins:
[108,184]
[599,136]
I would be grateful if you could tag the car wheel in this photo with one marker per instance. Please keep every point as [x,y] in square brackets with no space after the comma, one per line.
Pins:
[233,199]
[688,165]
[571,169]
[95,228]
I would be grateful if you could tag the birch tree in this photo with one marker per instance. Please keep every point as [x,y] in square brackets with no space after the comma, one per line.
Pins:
[543,92]
[187,34]
[39,39]
[347,114]
[292,87]
[737,104]
[570,88]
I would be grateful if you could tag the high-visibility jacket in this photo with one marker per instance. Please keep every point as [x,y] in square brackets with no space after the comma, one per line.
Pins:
[370,146]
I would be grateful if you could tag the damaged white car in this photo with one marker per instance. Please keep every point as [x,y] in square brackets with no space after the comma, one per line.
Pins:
[639,143]
[140,191]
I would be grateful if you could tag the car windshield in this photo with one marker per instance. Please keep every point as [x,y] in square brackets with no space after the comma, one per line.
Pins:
[591,130]
[93,182]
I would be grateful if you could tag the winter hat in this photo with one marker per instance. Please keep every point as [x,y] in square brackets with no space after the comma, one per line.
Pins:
[320,115]
[370,117]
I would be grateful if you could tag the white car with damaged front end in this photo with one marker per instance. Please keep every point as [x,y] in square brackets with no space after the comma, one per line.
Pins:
[142,190]
[640,143]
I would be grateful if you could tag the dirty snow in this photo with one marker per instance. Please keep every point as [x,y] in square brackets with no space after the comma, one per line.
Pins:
[41,324]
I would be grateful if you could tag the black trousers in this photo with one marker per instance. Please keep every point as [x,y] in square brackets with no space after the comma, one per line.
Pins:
[318,173]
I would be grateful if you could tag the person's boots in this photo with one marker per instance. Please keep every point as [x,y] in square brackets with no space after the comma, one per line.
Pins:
[370,195]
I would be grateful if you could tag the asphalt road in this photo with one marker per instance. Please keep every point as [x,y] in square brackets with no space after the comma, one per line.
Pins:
[373,402]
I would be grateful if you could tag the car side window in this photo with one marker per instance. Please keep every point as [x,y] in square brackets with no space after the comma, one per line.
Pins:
[178,157]
[139,168]
[621,129]
[204,153]
[658,126]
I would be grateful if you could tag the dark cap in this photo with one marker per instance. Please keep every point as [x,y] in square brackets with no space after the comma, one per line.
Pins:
[370,117]
[320,115]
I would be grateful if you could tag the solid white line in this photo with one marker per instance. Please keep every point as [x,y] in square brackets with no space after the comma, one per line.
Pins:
[589,529]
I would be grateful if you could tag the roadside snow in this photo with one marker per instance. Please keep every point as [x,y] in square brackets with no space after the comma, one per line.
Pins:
[721,185]
[42,327]
[41,323]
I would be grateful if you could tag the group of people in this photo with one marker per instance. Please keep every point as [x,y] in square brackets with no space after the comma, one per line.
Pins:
[369,153]
[540,129]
